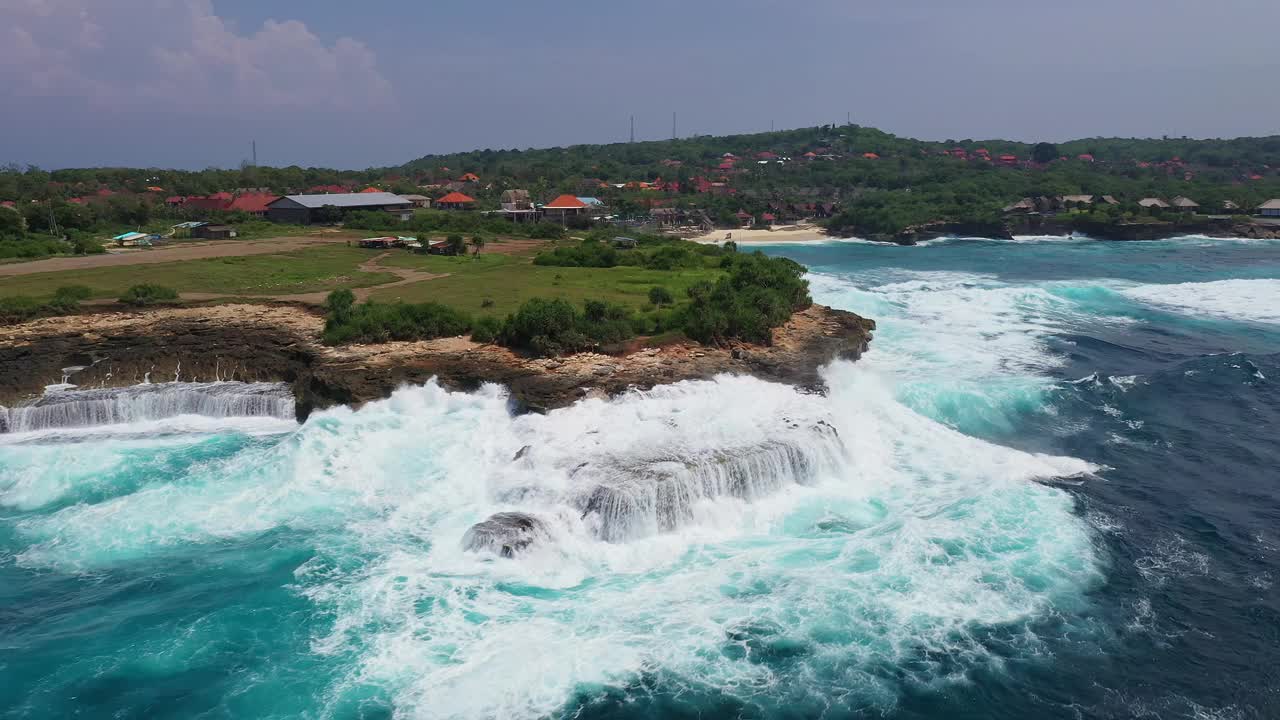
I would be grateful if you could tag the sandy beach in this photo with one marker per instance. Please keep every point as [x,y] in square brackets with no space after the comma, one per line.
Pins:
[778,233]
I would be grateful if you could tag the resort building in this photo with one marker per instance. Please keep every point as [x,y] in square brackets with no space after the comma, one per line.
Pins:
[1270,208]
[456,201]
[563,208]
[1185,204]
[1153,204]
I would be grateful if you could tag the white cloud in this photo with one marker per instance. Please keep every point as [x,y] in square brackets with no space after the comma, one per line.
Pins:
[180,55]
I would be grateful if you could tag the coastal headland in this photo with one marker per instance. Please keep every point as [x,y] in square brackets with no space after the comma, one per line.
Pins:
[281,342]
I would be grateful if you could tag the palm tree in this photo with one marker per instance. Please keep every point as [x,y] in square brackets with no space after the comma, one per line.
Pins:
[477,242]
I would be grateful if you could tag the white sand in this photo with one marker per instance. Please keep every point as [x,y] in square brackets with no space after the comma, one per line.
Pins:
[778,233]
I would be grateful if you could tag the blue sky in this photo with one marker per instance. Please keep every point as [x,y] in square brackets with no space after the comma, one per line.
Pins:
[189,83]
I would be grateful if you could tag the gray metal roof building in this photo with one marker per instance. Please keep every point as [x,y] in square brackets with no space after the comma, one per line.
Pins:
[298,209]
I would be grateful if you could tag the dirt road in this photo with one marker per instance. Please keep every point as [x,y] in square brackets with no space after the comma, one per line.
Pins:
[172,253]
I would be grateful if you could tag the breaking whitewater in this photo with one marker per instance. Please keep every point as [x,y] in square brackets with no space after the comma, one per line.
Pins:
[922,541]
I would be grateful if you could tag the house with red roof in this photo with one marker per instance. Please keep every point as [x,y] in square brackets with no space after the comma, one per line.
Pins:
[370,189]
[1086,157]
[766,155]
[1008,159]
[456,201]
[870,156]
[469,178]
[216,201]
[253,203]
[563,208]
[327,190]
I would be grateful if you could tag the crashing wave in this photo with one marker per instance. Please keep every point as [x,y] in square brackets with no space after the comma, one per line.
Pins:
[659,496]
[62,408]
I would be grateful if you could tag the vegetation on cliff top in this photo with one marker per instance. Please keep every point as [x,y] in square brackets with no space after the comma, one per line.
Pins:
[750,295]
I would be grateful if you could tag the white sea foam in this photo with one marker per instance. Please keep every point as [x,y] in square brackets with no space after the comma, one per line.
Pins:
[917,536]
[1255,300]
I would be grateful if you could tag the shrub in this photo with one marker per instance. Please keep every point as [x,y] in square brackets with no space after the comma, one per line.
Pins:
[72,293]
[546,231]
[757,295]
[378,322]
[543,327]
[455,245]
[19,308]
[87,246]
[486,303]
[338,305]
[486,329]
[148,294]
[660,296]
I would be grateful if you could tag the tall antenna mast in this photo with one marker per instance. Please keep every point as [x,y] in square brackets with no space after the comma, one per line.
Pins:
[633,128]
[673,125]
[255,153]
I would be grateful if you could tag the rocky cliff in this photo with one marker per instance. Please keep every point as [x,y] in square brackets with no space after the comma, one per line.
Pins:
[280,342]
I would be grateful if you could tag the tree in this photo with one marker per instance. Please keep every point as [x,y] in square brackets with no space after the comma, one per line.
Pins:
[12,224]
[1044,153]
[660,296]
[477,244]
[455,245]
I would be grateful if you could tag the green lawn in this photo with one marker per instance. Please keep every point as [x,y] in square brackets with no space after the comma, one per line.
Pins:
[509,281]
[328,267]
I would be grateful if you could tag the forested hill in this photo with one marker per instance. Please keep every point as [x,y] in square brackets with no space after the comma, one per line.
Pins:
[642,160]
[869,180]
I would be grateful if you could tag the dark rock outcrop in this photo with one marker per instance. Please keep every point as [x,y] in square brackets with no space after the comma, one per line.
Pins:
[505,534]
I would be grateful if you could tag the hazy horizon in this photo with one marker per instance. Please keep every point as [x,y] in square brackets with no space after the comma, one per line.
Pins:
[323,86]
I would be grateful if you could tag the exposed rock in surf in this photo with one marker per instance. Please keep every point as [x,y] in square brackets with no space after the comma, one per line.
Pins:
[280,343]
[505,534]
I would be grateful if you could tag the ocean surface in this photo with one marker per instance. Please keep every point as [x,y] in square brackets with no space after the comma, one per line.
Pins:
[1050,490]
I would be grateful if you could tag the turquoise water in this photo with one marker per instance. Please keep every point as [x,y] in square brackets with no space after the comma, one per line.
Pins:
[1047,491]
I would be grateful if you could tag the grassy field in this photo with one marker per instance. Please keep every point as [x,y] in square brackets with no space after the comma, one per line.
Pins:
[510,280]
[316,269]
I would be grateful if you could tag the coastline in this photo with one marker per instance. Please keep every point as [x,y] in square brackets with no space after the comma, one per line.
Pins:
[1129,232]
[281,343]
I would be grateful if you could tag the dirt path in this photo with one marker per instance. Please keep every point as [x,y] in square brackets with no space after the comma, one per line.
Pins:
[372,265]
[172,253]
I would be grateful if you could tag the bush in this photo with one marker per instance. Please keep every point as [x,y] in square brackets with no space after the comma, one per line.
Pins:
[377,322]
[486,329]
[65,300]
[87,246]
[19,309]
[72,293]
[759,294]
[660,296]
[543,327]
[148,294]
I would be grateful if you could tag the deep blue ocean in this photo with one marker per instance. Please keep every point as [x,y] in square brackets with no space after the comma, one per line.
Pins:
[1050,490]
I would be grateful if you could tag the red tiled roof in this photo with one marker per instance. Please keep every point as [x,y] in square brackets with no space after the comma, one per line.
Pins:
[470,177]
[565,202]
[253,203]
[871,156]
[321,189]
[456,197]
[217,201]
[370,190]
[9,203]
[174,200]
[76,201]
